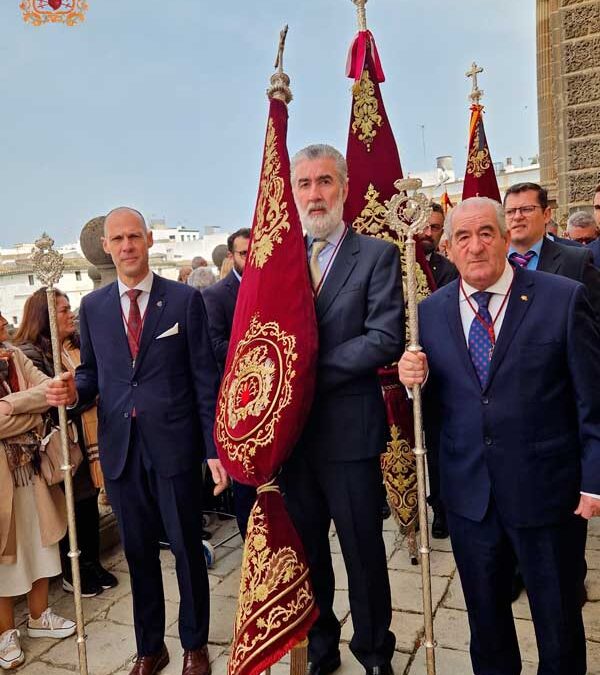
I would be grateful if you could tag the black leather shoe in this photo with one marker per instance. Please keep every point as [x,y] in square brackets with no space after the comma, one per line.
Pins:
[380,670]
[439,526]
[327,665]
[517,586]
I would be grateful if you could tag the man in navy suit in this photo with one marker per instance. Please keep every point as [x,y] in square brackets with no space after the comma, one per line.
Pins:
[334,472]
[594,247]
[146,354]
[220,302]
[511,364]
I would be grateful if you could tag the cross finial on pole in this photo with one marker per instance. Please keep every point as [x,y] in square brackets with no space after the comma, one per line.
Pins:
[281,49]
[362,14]
[476,93]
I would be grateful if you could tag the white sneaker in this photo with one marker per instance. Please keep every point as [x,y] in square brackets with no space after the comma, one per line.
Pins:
[50,625]
[11,654]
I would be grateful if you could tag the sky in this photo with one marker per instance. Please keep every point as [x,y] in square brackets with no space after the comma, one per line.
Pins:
[161,105]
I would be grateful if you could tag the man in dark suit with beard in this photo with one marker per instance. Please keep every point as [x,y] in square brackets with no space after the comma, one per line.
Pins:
[334,472]
[220,300]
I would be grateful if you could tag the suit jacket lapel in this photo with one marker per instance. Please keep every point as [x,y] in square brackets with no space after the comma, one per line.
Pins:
[549,257]
[456,328]
[519,302]
[340,270]
[116,328]
[154,310]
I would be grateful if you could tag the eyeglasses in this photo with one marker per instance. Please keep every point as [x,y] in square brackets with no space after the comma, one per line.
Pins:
[243,254]
[525,210]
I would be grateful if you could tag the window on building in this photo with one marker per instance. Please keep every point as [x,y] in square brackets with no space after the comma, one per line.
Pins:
[172,237]
[78,275]
[31,280]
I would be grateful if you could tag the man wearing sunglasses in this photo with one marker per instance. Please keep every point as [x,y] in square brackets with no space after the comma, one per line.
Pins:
[527,212]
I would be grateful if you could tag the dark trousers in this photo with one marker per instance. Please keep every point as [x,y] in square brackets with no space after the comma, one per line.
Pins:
[87,524]
[349,493]
[142,500]
[550,559]
[244,497]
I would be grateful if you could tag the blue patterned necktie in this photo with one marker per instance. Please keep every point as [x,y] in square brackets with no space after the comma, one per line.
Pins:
[480,342]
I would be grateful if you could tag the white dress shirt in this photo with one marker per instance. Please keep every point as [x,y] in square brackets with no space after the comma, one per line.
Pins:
[145,285]
[499,291]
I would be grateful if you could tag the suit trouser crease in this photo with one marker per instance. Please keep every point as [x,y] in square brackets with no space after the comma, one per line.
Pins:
[144,501]
[549,559]
[350,494]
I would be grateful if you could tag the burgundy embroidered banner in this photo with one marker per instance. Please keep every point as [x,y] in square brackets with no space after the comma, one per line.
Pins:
[480,177]
[373,167]
[263,403]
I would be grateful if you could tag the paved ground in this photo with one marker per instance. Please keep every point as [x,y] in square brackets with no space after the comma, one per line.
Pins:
[111,643]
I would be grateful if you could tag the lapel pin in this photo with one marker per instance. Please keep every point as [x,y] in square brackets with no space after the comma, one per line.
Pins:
[524,298]
[159,303]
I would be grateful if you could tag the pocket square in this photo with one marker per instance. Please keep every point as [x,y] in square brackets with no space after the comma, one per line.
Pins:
[174,330]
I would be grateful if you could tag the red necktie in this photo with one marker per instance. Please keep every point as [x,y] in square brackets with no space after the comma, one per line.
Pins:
[134,322]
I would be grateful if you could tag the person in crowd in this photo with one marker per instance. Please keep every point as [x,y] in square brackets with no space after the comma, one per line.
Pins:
[146,352]
[510,376]
[198,261]
[201,278]
[594,247]
[32,514]
[33,338]
[226,267]
[442,269]
[220,302]
[582,227]
[184,274]
[334,473]
[552,233]
[527,212]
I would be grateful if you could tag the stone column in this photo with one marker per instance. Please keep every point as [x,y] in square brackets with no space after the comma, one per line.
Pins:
[574,33]
[91,245]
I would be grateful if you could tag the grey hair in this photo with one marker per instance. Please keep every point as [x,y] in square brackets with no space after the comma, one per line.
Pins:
[581,219]
[201,278]
[320,151]
[125,209]
[475,202]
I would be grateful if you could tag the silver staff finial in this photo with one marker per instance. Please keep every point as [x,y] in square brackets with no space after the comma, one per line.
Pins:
[280,82]
[362,14]
[408,213]
[48,264]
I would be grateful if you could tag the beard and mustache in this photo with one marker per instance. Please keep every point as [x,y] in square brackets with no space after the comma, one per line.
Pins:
[322,225]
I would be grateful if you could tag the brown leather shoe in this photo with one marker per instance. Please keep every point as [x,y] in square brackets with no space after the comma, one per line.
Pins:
[149,665]
[195,662]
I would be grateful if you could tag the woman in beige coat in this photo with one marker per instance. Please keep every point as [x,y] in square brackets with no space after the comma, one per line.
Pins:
[32,515]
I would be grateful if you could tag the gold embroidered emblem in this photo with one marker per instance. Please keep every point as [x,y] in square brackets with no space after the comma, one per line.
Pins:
[272,218]
[267,575]
[479,158]
[255,391]
[365,110]
[39,12]
[398,464]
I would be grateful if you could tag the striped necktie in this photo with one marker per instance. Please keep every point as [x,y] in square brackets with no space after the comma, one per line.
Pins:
[522,259]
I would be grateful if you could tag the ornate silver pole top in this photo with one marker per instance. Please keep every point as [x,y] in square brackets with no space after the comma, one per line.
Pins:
[362,13]
[476,94]
[48,264]
[408,214]
[280,82]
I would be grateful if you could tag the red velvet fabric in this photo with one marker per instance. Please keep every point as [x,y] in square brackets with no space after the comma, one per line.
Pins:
[263,403]
[480,177]
[357,56]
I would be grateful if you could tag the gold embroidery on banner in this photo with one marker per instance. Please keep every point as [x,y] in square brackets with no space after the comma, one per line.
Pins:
[365,111]
[267,576]
[398,464]
[257,389]
[272,218]
[479,158]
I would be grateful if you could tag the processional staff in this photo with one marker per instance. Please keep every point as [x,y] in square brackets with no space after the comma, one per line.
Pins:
[408,214]
[48,265]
